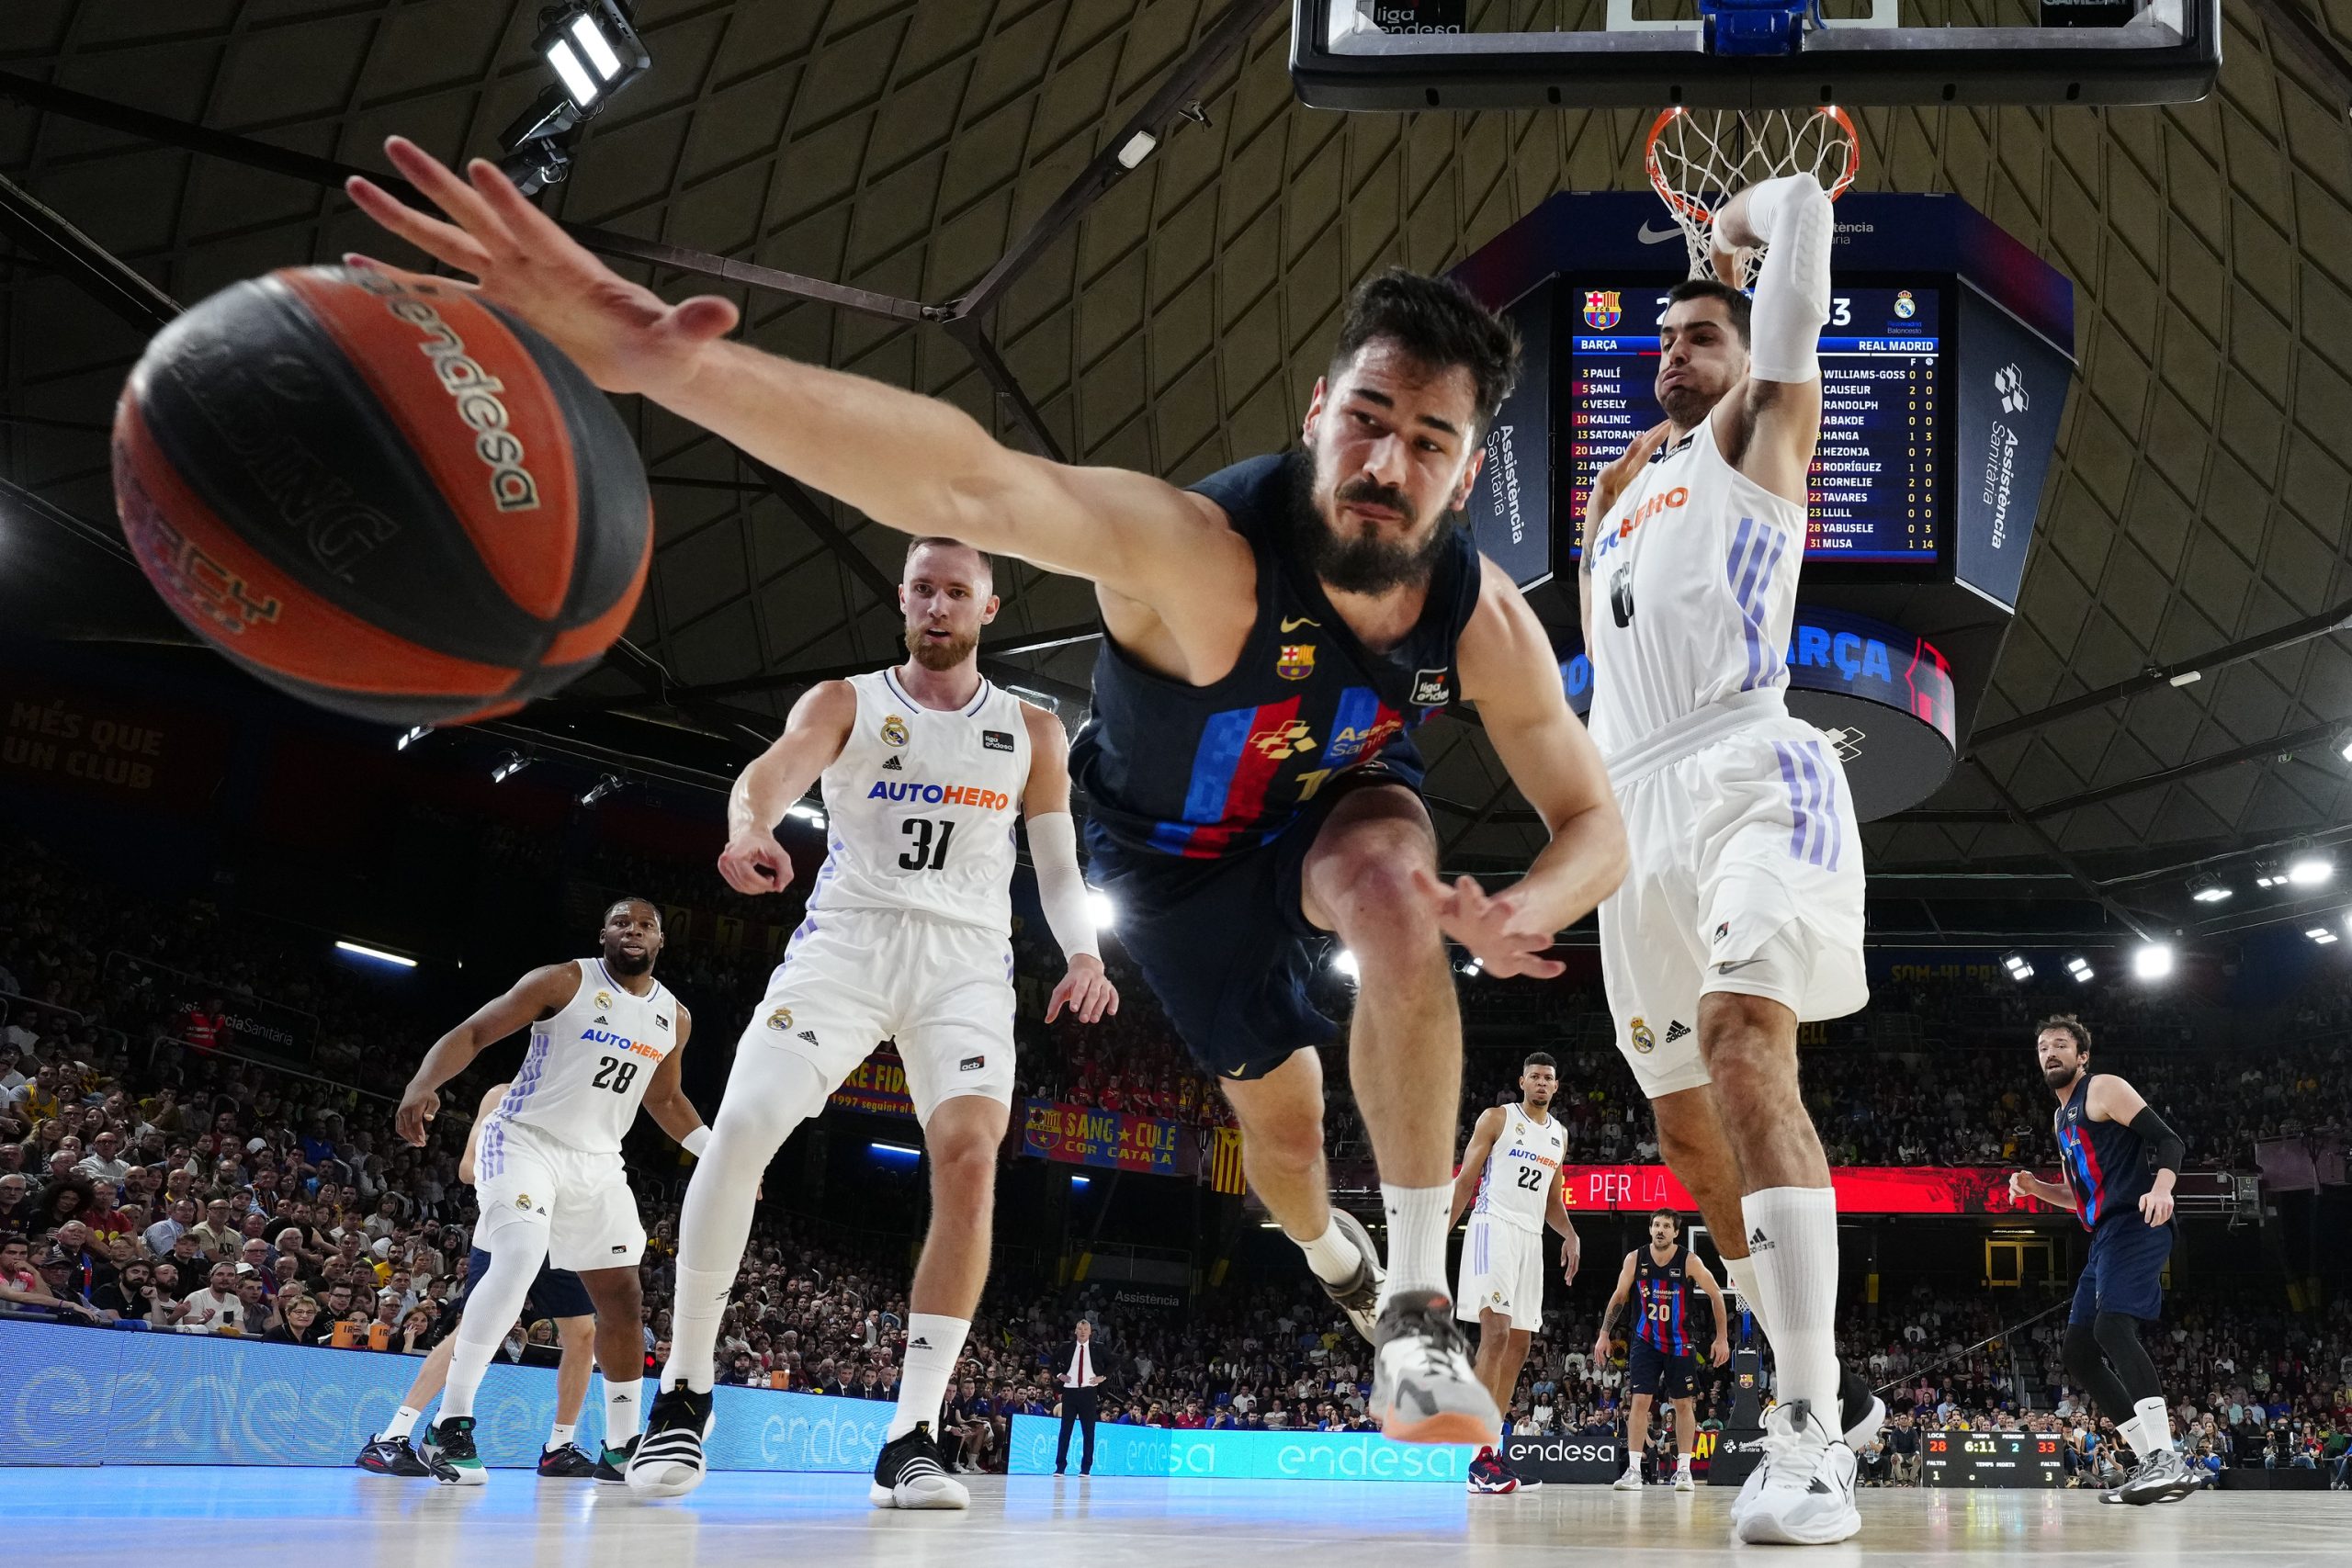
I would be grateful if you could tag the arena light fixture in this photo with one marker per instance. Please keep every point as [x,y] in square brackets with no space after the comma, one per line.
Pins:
[2080,968]
[2209,889]
[1475,968]
[1345,963]
[2321,935]
[807,811]
[2151,961]
[592,48]
[506,767]
[1081,1181]
[609,785]
[2310,870]
[1099,905]
[361,949]
[2020,969]
[412,737]
[896,1153]
[2348,748]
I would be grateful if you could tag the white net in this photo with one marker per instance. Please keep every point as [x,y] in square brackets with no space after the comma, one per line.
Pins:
[1698,158]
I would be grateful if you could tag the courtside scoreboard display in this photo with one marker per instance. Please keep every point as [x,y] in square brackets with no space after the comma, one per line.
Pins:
[1992,1459]
[1882,474]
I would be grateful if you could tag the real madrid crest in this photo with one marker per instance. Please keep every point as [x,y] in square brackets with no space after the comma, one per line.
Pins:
[604,998]
[1644,1041]
[894,731]
[1296,662]
[780,1019]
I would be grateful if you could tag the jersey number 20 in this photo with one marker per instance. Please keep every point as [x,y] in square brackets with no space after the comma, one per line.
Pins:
[613,1074]
[930,839]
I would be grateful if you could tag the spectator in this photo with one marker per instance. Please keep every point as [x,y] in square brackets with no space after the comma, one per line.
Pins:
[216,1308]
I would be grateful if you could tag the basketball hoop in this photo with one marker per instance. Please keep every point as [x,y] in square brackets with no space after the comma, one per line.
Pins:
[1698,158]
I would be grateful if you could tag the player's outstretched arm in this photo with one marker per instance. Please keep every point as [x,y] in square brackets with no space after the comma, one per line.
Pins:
[665,1096]
[1483,1133]
[1061,887]
[1776,412]
[814,733]
[537,995]
[1509,670]
[909,462]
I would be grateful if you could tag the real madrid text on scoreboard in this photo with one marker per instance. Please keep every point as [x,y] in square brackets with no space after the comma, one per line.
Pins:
[1880,475]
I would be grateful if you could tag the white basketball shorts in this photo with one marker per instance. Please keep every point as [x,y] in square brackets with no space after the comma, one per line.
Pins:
[854,978]
[1746,877]
[522,1175]
[1502,1272]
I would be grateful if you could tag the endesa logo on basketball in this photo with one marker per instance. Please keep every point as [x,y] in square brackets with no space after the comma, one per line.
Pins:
[1665,501]
[915,794]
[474,391]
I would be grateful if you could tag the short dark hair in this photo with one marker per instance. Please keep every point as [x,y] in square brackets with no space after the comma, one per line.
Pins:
[2071,1025]
[1437,325]
[615,903]
[1539,1059]
[988,562]
[1736,306]
[1674,1214]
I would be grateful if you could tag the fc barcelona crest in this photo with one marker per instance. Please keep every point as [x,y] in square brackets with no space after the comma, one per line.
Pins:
[1602,309]
[1297,661]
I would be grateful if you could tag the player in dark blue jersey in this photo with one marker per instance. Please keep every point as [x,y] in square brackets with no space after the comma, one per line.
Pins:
[2119,1160]
[1659,1278]
[1269,635]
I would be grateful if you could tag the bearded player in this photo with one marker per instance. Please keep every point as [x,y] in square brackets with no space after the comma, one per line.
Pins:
[1509,1182]
[1741,915]
[925,767]
[1272,635]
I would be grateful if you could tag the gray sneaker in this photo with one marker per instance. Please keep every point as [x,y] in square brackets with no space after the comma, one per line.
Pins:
[2163,1477]
[1359,1296]
[1423,1387]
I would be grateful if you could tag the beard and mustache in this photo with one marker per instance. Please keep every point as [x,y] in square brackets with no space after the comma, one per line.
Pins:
[939,655]
[621,962]
[1362,562]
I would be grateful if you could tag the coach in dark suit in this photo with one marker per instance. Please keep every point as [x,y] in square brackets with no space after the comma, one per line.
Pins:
[1077,1373]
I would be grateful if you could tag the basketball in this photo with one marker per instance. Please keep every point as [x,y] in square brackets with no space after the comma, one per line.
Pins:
[381,494]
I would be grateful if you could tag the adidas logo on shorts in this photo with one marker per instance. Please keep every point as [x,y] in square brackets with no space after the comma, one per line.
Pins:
[1676,1030]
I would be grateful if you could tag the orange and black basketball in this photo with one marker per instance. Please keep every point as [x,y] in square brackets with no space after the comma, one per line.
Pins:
[382,494]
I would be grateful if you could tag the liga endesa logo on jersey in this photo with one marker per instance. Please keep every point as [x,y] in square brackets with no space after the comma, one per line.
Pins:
[914,793]
[622,1042]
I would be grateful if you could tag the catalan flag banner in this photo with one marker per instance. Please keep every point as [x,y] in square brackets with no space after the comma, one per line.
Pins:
[1078,1135]
[1225,1162]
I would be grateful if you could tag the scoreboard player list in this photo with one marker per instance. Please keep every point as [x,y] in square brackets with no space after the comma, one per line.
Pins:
[1875,490]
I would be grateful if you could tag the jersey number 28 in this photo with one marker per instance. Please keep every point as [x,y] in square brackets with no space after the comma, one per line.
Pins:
[931,840]
[613,1074]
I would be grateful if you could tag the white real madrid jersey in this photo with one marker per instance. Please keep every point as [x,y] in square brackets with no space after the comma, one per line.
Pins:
[921,804]
[1695,589]
[1519,1171]
[588,1066]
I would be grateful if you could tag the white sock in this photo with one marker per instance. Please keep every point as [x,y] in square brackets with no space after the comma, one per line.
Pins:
[695,1313]
[403,1421]
[2152,1420]
[1796,1280]
[1743,1280]
[1332,1255]
[934,1343]
[559,1435]
[1417,1217]
[1682,1461]
[493,1303]
[624,1410]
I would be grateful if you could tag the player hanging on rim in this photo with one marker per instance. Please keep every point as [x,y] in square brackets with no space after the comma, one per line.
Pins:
[557,1295]
[925,767]
[1511,1168]
[2120,1160]
[605,1038]
[1659,1276]
[1742,913]
[1271,635]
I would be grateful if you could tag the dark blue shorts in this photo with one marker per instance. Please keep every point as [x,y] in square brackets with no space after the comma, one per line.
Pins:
[2125,1269]
[556,1292]
[1651,1371]
[1226,945]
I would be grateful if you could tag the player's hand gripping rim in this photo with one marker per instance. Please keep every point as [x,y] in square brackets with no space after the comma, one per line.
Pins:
[621,334]
[1497,930]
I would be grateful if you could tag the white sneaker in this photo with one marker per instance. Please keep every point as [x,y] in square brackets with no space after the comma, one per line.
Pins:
[1631,1480]
[1682,1481]
[1862,1412]
[1423,1382]
[1807,1496]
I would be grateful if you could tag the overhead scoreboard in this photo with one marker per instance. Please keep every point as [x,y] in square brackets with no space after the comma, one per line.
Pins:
[1992,1459]
[1880,479]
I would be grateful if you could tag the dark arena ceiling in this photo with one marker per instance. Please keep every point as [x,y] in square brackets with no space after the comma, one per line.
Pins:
[927,191]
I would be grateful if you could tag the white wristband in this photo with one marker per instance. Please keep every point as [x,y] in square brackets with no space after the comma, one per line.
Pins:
[693,1143]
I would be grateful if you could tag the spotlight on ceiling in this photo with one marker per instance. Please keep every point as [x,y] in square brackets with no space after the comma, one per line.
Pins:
[808,812]
[2209,889]
[592,48]
[609,785]
[1475,968]
[412,737]
[2080,968]
[2321,935]
[506,767]
[1345,963]
[2309,870]
[1106,913]
[2151,961]
[2019,968]
[2348,748]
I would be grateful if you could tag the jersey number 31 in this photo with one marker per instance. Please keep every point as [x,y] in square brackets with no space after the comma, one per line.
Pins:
[931,840]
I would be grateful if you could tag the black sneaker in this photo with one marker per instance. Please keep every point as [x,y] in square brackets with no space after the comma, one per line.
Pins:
[908,1474]
[391,1456]
[1359,1296]
[613,1466]
[449,1452]
[567,1463]
[667,1459]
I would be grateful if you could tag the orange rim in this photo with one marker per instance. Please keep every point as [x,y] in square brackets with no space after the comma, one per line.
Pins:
[1696,210]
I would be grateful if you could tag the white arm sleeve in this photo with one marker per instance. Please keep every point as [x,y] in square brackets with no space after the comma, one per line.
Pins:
[1052,848]
[1793,216]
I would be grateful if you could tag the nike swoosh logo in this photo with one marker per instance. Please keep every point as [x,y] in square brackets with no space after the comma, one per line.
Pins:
[1291,624]
[1659,238]
[1729,968]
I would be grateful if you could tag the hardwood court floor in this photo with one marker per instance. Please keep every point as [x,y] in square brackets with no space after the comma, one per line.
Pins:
[136,1516]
